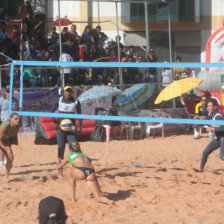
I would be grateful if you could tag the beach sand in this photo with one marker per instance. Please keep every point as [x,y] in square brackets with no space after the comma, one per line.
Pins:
[164,189]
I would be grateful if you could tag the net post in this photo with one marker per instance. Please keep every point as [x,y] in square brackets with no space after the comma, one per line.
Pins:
[11,87]
[21,89]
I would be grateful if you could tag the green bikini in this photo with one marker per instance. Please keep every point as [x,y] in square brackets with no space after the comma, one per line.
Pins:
[72,156]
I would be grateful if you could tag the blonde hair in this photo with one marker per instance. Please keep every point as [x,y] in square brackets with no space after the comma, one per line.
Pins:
[75,147]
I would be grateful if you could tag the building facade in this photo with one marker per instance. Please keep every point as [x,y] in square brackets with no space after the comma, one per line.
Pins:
[192,22]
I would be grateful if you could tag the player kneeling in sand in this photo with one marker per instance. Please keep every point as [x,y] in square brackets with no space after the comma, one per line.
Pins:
[82,169]
[8,136]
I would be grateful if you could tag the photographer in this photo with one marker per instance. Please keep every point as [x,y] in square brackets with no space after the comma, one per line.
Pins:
[152,57]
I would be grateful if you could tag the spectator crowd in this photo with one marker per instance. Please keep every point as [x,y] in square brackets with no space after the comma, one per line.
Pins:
[91,45]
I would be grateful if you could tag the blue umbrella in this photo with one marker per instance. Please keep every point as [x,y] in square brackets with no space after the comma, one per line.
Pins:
[98,92]
[134,96]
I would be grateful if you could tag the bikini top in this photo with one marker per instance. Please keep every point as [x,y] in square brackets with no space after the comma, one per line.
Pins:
[73,155]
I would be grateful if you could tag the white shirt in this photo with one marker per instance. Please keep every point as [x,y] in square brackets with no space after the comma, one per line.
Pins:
[166,76]
[66,58]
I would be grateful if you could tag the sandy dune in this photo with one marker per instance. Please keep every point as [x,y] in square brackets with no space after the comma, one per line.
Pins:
[164,189]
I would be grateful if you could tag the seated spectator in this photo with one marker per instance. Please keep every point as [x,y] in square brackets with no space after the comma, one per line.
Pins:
[29,78]
[180,73]
[118,38]
[131,51]
[201,112]
[64,35]
[87,36]
[94,38]
[73,33]
[35,48]
[71,48]
[101,36]
[52,210]
[4,34]
[129,73]
[82,48]
[54,36]
[26,52]
[15,38]
[147,78]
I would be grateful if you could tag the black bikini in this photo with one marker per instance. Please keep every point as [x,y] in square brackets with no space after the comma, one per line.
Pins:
[85,170]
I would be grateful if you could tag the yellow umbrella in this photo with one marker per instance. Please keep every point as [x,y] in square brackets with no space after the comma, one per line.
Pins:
[177,88]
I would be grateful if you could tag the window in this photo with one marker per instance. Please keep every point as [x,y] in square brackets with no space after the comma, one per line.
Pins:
[7,12]
[180,11]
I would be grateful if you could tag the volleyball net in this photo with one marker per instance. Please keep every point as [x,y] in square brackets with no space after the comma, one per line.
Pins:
[137,110]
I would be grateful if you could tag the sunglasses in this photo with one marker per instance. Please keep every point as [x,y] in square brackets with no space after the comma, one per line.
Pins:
[16,118]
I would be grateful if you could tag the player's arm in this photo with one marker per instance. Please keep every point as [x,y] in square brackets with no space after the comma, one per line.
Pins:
[79,111]
[2,134]
[53,109]
[62,164]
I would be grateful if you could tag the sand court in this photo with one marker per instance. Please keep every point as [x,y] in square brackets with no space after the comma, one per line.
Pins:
[151,181]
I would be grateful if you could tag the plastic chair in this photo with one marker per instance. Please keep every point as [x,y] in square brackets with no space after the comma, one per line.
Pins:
[151,126]
[133,128]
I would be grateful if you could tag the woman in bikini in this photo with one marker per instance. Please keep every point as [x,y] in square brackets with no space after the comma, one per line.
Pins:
[82,169]
[8,136]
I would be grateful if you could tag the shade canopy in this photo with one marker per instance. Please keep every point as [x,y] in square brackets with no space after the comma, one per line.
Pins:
[97,93]
[177,88]
[134,96]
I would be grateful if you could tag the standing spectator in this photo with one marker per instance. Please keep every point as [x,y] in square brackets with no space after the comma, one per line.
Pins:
[73,33]
[15,38]
[166,76]
[28,25]
[65,57]
[152,57]
[4,34]
[141,71]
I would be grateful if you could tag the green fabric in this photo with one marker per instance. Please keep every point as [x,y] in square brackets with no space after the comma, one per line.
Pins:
[9,133]
[29,74]
[73,155]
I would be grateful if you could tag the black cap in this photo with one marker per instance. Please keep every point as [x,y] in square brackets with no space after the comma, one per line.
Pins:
[52,208]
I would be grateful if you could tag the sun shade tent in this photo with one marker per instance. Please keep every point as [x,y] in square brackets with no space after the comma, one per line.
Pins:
[146,2]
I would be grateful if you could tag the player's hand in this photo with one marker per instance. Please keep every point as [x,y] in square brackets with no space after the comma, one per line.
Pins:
[79,129]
